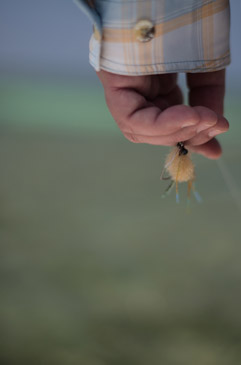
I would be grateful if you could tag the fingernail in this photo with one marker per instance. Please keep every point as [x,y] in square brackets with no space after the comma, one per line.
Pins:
[188,124]
[214,133]
[202,127]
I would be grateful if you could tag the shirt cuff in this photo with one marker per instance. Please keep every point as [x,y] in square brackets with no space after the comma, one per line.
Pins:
[156,36]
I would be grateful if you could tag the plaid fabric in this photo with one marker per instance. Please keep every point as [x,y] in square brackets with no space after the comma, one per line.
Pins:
[190,36]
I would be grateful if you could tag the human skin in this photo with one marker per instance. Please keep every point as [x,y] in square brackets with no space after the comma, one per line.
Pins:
[149,109]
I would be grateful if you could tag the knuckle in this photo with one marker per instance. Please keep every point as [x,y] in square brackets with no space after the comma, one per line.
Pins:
[125,126]
[199,140]
[171,140]
[187,134]
[207,115]
[132,137]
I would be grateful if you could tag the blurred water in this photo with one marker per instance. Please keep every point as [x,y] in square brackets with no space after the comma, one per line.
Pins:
[96,268]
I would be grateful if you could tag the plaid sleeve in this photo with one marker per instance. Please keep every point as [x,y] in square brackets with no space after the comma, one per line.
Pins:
[141,37]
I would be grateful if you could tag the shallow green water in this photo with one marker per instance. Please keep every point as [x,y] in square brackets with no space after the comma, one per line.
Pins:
[96,268]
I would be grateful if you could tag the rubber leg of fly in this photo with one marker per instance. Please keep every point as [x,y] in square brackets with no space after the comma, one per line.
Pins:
[174,154]
[162,177]
[196,194]
[177,194]
[178,170]
[168,190]
[189,188]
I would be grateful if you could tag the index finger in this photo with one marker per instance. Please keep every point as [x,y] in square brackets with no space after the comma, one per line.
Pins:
[136,115]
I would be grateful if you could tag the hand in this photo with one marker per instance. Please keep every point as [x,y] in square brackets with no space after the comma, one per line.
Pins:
[148,109]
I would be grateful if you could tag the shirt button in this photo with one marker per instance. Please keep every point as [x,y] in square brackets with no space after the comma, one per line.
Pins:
[144,30]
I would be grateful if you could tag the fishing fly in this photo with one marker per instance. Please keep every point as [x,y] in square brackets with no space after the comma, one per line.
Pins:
[180,168]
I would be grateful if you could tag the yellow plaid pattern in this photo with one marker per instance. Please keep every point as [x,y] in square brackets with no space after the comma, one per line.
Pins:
[188,36]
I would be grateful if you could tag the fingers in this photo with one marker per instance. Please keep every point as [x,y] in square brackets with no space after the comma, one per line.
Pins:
[168,140]
[211,149]
[135,115]
[174,97]
[141,108]
[221,127]
[143,122]
[211,126]
[149,86]
[207,89]
[208,126]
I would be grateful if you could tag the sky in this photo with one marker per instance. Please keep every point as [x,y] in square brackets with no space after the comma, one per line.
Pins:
[52,36]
